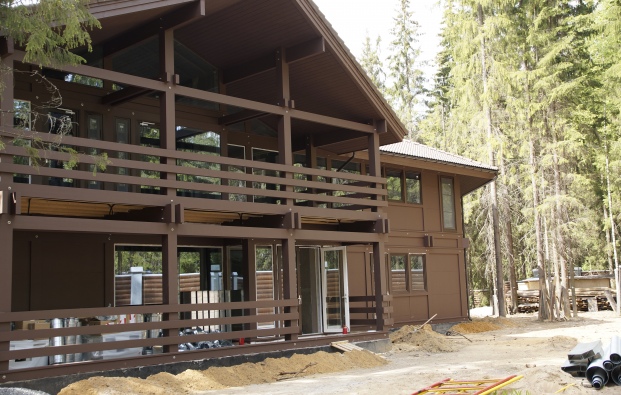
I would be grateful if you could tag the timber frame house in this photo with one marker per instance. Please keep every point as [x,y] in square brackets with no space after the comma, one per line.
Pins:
[243,137]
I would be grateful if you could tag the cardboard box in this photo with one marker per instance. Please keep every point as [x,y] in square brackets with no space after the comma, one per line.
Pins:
[38,324]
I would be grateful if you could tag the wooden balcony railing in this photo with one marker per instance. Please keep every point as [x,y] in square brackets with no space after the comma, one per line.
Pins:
[101,339]
[198,175]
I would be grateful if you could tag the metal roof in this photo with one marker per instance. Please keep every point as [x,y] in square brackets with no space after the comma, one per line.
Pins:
[420,151]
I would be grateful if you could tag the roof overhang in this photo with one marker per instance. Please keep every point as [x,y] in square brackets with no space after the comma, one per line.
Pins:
[232,33]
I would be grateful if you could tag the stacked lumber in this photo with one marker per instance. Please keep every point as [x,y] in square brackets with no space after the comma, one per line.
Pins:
[528,300]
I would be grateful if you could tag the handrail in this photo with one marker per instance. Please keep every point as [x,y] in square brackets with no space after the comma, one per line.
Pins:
[174,154]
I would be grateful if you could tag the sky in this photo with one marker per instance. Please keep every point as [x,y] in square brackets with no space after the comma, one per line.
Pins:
[352,19]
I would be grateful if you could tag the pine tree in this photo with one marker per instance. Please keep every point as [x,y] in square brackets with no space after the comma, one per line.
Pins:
[406,78]
[372,63]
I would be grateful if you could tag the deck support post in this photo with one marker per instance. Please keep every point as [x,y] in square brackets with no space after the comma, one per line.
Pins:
[167,102]
[250,278]
[379,268]
[170,280]
[6,218]
[289,282]
[285,152]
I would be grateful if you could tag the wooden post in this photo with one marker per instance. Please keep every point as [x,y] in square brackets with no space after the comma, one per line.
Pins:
[311,162]
[167,103]
[250,278]
[379,273]
[6,220]
[285,153]
[170,280]
[379,268]
[289,281]
[6,279]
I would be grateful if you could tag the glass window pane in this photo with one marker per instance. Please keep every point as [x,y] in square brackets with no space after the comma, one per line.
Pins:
[412,185]
[200,142]
[237,152]
[393,184]
[448,203]
[149,137]
[417,272]
[397,273]
[146,286]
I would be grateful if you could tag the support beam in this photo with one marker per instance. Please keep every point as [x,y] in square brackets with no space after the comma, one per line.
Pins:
[249,69]
[285,153]
[6,279]
[290,290]
[379,273]
[267,62]
[124,95]
[241,116]
[167,104]
[305,50]
[171,21]
[170,280]
[332,137]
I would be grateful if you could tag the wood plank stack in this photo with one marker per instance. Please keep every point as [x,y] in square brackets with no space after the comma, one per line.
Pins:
[528,300]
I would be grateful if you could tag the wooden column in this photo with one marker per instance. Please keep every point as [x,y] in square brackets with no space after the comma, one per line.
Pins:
[285,153]
[170,280]
[290,289]
[6,180]
[250,278]
[379,273]
[167,102]
[311,162]
[379,268]
[6,279]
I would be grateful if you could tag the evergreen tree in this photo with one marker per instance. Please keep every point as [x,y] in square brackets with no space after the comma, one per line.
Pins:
[372,63]
[406,79]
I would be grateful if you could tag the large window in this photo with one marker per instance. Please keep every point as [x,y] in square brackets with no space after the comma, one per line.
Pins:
[198,141]
[448,202]
[403,186]
[407,273]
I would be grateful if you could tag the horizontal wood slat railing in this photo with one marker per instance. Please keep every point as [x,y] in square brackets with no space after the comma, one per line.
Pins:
[363,311]
[201,173]
[173,324]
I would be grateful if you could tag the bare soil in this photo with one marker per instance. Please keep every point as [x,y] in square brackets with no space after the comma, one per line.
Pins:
[482,349]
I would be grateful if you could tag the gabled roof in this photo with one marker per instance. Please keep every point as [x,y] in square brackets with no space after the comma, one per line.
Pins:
[233,34]
[420,151]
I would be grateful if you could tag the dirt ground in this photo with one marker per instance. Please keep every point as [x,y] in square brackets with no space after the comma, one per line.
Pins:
[489,348]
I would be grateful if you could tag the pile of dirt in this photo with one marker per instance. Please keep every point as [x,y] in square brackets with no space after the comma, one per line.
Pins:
[423,339]
[214,378]
[486,324]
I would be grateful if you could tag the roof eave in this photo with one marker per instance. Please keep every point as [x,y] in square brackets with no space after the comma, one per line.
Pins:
[349,62]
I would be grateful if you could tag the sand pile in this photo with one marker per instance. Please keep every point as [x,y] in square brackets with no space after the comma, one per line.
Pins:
[423,339]
[192,381]
[482,325]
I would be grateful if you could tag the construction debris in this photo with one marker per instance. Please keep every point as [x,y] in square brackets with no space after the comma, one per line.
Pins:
[345,345]
[598,364]
[474,387]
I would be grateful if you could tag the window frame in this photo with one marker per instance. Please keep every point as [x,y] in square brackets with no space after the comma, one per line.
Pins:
[403,184]
[453,205]
[409,288]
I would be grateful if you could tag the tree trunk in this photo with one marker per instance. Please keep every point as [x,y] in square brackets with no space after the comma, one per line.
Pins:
[560,264]
[543,305]
[608,240]
[613,233]
[492,185]
[506,214]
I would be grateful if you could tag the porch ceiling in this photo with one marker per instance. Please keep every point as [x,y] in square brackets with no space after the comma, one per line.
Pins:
[235,32]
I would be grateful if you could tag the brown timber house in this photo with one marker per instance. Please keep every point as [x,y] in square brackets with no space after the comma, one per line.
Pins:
[252,168]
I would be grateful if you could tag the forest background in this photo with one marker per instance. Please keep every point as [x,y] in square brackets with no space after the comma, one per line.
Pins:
[534,88]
